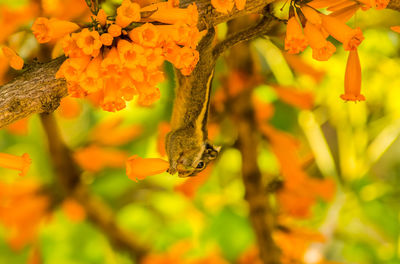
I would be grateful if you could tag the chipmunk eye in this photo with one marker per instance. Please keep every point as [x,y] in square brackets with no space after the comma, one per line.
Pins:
[200,165]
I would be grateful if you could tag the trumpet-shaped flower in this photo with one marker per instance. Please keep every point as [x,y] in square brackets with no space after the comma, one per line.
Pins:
[322,49]
[223,6]
[312,15]
[106,39]
[114,30]
[15,162]
[352,78]
[127,13]
[89,42]
[165,14]
[131,54]
[146,35]
[15,61]
[102,17]
[46,30]
[351,38]
[295,40]
[138,168]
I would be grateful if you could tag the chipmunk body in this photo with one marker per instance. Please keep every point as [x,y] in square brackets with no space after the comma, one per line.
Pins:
[187,144]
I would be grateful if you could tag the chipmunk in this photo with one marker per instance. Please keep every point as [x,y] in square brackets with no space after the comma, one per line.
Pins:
[187,145]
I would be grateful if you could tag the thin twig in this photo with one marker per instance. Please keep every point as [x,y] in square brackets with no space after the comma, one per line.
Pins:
[98,212]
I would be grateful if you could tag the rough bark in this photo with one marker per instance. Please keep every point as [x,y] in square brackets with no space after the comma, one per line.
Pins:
[35,91]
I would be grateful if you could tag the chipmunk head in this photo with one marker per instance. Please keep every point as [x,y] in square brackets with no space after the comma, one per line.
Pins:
[190,163]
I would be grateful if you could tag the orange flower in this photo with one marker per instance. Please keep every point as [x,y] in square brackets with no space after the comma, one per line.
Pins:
[154,58]
[322,49]
[292,96]
[312,15]
[146,35]
[89,42]
[346,13]
[91,80]
[295,40]
[94,158]
[300,66]
[240,4]
[69,108]
[46,30]
[127,13]
[131,54]
[111,64]
[112,100]
[138,168]
[22,210]
[147,94]
[121,135]
[340,5]
[73,68]
[222,6]
[73,210]
[352,78]
[317,4]
[106,39]
[102,17]
[114,30]
[70,47]
[165,14]
[351,38]
[395,29]
[19,127]
[15,61]
[183,58]
[15,162]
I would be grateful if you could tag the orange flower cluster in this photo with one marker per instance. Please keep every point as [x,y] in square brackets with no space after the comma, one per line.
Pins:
[307,26]
[114,60]
[22,210]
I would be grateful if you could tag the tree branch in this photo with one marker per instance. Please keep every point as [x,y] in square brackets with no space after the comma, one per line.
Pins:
[394,4]
[252,32]
[68,176]
[34,91]
[240,110]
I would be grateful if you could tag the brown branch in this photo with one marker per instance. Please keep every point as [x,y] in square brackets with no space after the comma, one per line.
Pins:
[262,28]
[35,91]
[240,110]
[68,176]
[261,215]
[394,4]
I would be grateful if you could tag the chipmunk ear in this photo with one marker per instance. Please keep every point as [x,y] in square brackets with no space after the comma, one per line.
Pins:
[212,151]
